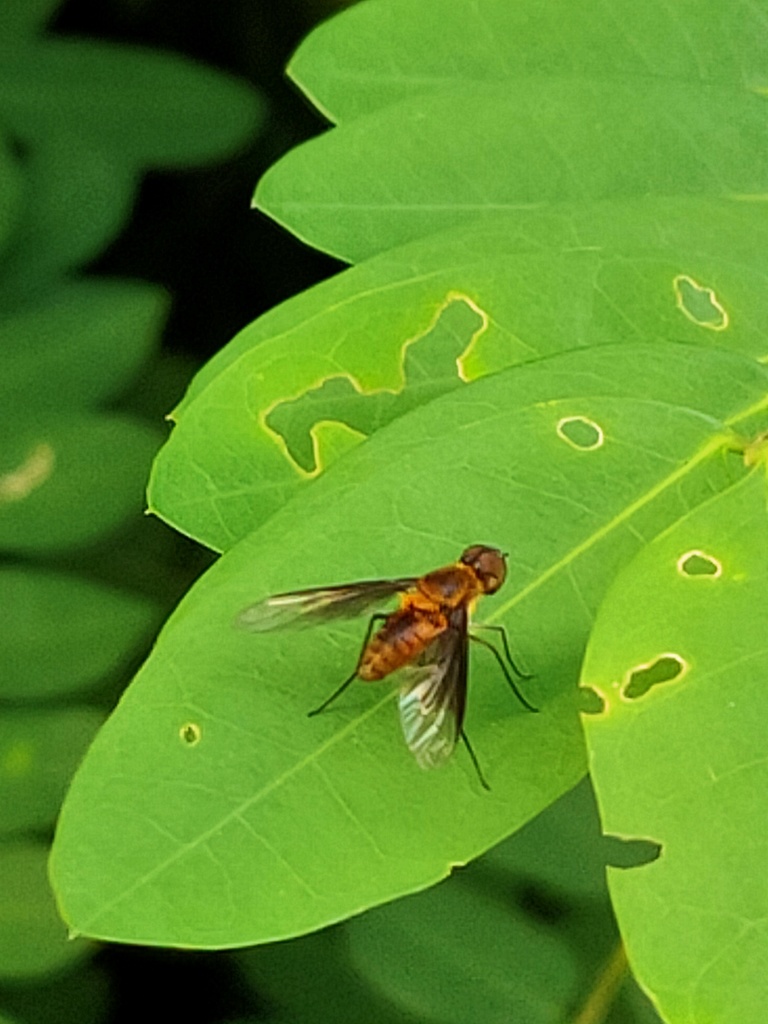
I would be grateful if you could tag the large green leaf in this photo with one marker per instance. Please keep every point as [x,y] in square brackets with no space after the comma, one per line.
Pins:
[678,655]
[441,159]
[317,375]
[378,53]
[211,812]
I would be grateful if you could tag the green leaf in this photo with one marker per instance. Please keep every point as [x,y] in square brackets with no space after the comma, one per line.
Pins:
[210,760]
[377,54]
[442,159]
[81,344]
[39,751]
[142,106]
[678,755]
[77,197]
[66,481]
[224,471]
[60,633]
[33,940]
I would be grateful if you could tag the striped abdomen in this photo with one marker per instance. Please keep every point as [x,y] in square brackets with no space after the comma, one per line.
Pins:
[401,639]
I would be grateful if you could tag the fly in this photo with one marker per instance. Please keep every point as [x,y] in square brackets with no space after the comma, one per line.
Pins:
[425,641]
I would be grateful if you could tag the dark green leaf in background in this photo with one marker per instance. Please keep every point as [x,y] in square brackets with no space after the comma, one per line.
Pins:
[59,633]
[70,480]
[39,751]
[146,107]
[79,345]
[11,192]
[76,198]
[33,940]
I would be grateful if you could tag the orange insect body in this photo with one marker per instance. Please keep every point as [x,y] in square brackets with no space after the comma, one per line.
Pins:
[421,617]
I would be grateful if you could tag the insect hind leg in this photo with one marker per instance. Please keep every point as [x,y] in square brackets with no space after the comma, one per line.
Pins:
[475,762]
[507,675]
[379,617]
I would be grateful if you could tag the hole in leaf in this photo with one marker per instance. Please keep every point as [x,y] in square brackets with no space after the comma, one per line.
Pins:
[190,734]
[590,701]
[630,853]
[581,433]
[663,669]
[698,563]
[430,368]
[699,304]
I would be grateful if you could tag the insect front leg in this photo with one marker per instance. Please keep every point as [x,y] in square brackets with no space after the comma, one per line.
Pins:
[507,675]
[505,644]
[378,617]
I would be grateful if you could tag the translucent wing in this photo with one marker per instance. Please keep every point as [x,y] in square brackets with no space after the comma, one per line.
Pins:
[321,604]
[434,693]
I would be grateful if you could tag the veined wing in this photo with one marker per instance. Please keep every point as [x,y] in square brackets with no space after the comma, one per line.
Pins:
[433,696]
[321,604]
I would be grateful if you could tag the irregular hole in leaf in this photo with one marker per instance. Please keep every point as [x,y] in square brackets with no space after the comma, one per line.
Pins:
[699,563]
[31,474]
[699,303]
[626,852]
[190,733]
[591,701]
[430,368]
[663,669]
[580,432]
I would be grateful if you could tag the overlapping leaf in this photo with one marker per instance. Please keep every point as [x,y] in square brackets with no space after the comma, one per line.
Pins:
[330,367]
[683,762]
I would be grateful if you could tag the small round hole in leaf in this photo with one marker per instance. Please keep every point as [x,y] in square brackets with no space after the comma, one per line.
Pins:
[581,433]
[190,734]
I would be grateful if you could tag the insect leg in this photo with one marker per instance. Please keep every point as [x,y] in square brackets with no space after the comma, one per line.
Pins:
[505,670]
[380,616]
[505,644]
[475,762]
